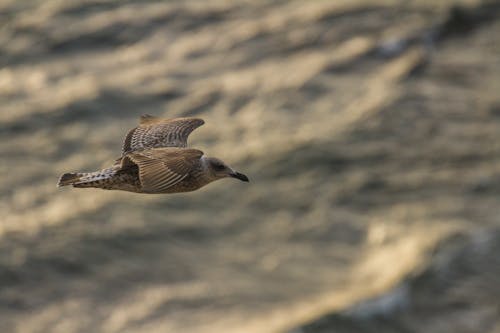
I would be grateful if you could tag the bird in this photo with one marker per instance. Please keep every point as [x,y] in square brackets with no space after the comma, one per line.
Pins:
[155,159]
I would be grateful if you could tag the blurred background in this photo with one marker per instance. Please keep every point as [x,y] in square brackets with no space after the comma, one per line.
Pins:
[370,131]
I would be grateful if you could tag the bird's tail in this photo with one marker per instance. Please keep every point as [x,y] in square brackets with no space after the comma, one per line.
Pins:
[69,179]
[86,179]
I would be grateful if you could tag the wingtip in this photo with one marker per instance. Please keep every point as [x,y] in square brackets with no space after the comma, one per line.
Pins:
[199,120]
[147,118]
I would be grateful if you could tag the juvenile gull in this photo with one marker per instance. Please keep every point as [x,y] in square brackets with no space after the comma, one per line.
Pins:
[155,160]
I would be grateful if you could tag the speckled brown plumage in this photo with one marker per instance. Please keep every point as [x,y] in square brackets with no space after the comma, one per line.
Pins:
[155,160]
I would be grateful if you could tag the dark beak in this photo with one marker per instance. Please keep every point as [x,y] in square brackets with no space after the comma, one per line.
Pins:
[240,176]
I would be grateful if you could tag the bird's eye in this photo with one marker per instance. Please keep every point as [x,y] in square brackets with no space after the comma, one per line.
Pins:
[219,167]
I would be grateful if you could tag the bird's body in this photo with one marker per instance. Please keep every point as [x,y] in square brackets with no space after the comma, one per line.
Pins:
[155,160]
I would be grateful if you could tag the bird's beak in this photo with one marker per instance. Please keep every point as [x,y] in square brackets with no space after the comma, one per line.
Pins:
[239,176]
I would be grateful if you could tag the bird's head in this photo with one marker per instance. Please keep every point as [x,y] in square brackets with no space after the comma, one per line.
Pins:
[219,169]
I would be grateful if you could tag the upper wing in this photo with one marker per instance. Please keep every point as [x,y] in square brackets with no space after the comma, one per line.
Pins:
[162,168]
[154,132]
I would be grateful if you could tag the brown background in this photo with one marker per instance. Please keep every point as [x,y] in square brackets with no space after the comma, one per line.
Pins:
[369,129]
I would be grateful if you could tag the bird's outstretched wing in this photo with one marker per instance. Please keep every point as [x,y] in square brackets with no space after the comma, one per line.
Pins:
[161,168]
[154,132]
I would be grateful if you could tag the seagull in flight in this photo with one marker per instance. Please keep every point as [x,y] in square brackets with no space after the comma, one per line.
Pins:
[155,159]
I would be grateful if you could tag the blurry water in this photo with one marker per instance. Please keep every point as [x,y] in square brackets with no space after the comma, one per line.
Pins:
[360,164]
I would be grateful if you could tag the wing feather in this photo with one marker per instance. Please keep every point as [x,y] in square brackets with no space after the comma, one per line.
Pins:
[154,132]
[162,168]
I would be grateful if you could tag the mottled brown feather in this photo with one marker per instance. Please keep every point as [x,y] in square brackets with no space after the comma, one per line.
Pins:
[154,132]
[162,168]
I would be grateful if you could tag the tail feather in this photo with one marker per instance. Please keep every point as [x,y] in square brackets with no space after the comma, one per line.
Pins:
[87,179]
[69,179]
